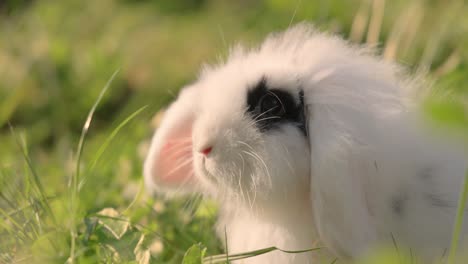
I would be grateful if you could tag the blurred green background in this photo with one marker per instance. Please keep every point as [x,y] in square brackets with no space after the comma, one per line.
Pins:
[57,56]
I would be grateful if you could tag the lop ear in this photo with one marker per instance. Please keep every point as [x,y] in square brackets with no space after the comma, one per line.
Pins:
[169,164]
[340,166]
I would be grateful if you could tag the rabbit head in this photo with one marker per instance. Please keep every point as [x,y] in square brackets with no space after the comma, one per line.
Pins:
[239,132]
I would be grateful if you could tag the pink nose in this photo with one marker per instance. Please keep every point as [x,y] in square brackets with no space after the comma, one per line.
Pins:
[206,151]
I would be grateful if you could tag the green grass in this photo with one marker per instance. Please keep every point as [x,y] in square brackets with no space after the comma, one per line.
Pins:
[73,134]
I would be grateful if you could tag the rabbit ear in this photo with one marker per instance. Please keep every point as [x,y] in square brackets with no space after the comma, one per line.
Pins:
[169,164]
[335,150]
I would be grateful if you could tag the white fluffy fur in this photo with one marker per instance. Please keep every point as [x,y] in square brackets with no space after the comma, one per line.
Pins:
[368,171]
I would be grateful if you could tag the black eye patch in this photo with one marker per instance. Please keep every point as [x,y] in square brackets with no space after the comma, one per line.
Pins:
[270,107]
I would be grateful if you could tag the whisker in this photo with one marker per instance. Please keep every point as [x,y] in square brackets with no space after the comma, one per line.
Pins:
[244,143]
[240,176]
[257,157]
[254,184]
[260,115]
[267,118]
[177,144]
[282,105]
[184,139]
[192,203]
[250,201]
[239,179]
[186,150]
[294,14]
[178,167]
[184,181]
[221,33]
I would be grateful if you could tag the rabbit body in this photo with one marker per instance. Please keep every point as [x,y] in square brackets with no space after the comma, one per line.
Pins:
[304,136]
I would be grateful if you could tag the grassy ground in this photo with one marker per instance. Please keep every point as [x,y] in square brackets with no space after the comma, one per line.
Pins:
[69,194]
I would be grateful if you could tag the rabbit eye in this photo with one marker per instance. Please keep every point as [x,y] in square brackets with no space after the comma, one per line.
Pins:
[270,105]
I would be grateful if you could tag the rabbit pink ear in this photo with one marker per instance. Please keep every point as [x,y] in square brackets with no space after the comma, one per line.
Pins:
[173,164]
[169,164]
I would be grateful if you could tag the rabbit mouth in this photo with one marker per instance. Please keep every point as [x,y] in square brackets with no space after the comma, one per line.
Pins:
[207,175]
[222,171]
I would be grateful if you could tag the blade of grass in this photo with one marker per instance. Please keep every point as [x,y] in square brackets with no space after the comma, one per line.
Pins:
[75,177]
[249,254]
[359,25]
[227,246]
[35,175]
[12,102]
[439,34]
[109,139]
[19,230]
[375,23]
[84,131]
[136,198]
[397,33]
[147,230]
[23,259]
[23,208]
[457,229]
[4,198]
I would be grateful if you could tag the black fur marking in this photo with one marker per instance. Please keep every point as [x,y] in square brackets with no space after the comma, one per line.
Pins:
[399,204]
[271,107]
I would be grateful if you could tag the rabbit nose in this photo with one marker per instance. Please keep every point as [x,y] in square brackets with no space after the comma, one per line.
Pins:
[207,150]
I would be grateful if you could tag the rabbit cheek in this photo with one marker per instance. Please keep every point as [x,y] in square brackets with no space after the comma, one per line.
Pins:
[230,162]
[290,156]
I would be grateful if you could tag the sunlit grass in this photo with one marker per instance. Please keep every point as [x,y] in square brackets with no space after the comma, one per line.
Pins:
[457,229]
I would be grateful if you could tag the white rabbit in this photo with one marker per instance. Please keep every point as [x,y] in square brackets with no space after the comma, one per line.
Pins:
[304,136]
